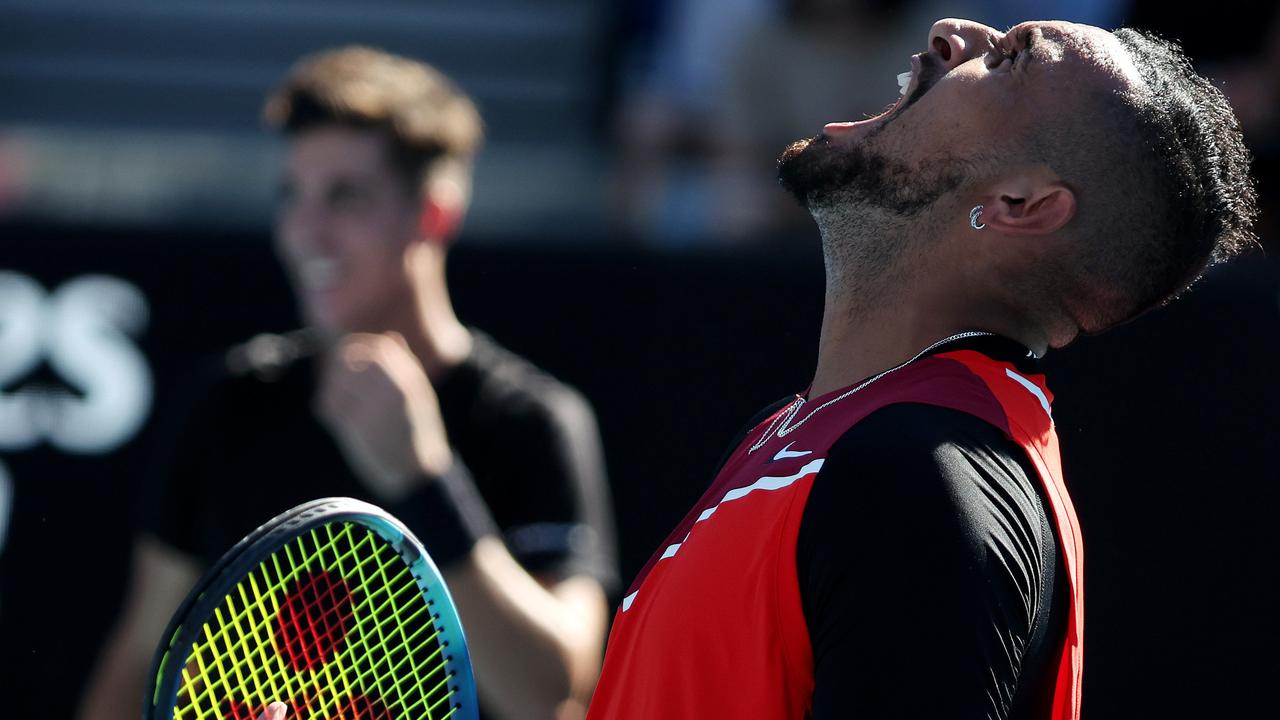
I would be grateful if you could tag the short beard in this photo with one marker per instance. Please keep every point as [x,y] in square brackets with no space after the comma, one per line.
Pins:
[871,210]
[820,174]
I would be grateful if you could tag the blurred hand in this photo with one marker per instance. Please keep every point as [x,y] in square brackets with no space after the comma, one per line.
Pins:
[274,711]
[377,401]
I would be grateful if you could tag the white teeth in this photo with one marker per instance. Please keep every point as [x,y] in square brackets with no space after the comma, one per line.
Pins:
[318,272]
[904,79]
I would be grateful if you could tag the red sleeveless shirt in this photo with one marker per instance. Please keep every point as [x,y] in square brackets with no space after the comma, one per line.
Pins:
[713,626]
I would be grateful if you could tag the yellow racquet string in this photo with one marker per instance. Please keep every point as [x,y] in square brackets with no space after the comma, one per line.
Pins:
[365,637]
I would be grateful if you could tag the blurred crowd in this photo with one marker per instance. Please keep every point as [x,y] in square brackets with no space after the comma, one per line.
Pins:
[707,102]
[655,121]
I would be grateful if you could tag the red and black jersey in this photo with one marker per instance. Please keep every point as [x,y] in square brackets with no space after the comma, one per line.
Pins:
[715,625]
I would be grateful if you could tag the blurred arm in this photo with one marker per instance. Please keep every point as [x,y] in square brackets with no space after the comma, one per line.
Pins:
[160,579]
[535,646]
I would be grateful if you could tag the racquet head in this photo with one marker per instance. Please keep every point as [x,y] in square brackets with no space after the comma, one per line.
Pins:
[332,607]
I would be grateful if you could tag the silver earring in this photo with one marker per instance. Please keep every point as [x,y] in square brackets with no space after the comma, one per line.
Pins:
[973,218]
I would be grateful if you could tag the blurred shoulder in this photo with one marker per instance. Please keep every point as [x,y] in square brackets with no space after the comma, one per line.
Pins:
[509,384]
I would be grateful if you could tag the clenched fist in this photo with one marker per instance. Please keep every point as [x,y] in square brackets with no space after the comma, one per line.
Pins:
[376,399]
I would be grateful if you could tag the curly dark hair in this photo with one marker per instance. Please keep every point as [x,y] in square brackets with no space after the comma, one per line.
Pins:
[1169,165]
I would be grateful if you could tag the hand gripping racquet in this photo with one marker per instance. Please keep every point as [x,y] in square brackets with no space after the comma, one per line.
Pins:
[332,607]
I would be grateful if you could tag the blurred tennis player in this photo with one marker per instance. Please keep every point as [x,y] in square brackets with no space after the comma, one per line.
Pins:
[896,540]
[387,396]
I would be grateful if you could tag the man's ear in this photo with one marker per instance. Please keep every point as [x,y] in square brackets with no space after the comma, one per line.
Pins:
[1026,208]
[438,222]
[441,214]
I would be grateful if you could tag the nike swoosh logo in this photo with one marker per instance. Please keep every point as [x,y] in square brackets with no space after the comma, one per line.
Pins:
[785,453]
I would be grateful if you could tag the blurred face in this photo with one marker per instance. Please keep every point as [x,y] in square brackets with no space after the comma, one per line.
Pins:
[344,223]
[972,101]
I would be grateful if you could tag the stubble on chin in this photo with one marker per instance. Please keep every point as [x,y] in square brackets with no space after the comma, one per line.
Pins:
[820,173]
[804,167]
[873,210]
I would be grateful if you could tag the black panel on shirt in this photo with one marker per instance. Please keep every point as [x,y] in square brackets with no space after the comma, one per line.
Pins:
[254,448]
[929,572]
[925,556]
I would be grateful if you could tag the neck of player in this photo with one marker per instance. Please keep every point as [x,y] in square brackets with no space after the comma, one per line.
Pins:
[875,326]
[429,325]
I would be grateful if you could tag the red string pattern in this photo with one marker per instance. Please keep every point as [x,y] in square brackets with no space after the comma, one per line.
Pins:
[313,621]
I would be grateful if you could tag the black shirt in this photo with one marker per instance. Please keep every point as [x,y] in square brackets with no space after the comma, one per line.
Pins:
[254,448]
[932,586]
[930,575]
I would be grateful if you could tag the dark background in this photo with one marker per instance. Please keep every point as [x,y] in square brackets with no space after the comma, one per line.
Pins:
[608,245]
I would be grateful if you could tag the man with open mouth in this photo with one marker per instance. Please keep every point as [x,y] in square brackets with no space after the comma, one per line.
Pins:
[896,540]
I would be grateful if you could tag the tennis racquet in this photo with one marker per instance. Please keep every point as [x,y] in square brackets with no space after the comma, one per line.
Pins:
[332,607]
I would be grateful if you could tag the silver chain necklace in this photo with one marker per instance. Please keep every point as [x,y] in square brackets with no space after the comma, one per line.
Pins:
[783,429]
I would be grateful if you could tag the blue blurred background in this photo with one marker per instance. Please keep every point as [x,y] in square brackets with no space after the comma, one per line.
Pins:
[627,235]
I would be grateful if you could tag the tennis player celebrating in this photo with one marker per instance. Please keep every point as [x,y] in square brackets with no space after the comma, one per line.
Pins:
[896,541]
